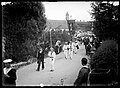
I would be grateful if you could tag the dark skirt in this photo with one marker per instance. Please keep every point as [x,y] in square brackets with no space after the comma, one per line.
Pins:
[10,81]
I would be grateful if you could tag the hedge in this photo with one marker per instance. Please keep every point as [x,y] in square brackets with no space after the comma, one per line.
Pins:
[106,57]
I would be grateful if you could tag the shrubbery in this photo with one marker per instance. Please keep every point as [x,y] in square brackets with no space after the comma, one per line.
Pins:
[106,56]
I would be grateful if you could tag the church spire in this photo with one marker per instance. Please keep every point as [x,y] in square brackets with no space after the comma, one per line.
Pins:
[67,16]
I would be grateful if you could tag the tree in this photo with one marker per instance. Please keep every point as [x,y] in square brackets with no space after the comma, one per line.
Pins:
[105,28]
[106,20]
[23,23]
[57,35]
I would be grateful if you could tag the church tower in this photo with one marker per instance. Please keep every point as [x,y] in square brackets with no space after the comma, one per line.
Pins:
[67,16]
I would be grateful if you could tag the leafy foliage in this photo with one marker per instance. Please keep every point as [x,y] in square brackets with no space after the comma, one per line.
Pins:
[63,36]
[106,20]
[106,57]
[23,23]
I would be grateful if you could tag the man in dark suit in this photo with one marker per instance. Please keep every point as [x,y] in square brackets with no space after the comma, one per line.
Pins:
[86,42]
[40,58]
[57,49]
[83,74]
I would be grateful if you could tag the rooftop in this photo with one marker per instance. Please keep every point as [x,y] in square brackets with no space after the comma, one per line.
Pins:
[62,24]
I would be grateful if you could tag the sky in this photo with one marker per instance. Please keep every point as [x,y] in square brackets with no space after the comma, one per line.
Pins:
[77,10]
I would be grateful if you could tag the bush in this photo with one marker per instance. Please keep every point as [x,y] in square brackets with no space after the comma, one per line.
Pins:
[106,56]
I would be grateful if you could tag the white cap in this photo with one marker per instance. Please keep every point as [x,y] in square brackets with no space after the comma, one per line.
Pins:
[7,61]
[92,52]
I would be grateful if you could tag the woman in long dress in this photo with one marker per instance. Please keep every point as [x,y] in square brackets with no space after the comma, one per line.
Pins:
[52,56]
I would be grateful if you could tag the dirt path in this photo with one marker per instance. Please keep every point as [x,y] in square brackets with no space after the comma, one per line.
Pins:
[67,70]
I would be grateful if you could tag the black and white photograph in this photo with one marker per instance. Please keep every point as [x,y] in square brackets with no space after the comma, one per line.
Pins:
[62,43]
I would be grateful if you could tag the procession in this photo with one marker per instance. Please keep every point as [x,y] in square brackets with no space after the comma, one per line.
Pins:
[60,43]
[69,49]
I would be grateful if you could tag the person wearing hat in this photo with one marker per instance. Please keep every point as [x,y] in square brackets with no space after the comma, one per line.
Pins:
[40,58]
[52,56]
[66,50]
[9,73]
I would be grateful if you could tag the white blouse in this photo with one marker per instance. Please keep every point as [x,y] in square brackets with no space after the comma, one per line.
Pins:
[6,70]
[52,55]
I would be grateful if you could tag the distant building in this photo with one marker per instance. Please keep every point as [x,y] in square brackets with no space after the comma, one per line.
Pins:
[80,26]
[57,25]
[62,25]
[83,26]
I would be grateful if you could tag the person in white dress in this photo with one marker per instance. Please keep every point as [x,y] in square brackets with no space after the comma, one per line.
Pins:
[52,56]
[66,49]
[71,48]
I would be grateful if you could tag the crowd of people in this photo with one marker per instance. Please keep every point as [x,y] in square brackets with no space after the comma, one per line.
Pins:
[91,44]
[69,48]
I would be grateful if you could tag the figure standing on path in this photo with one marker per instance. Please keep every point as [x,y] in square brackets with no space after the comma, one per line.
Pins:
[40,58]
[66,49]
[71,47]
[60,47]
[9,74]
[52,56]
[86,42]
[97,43]
[57,47]
[77,46]
[82,78]
[88,49]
